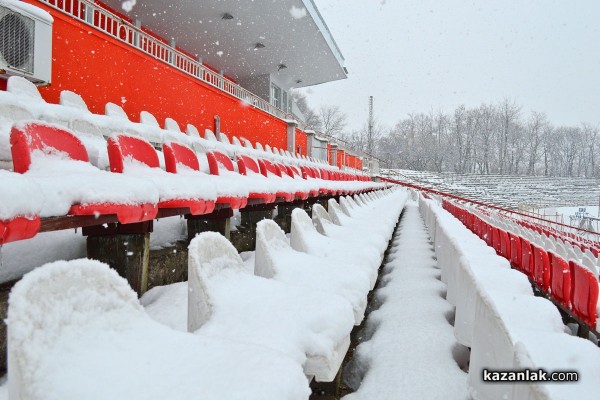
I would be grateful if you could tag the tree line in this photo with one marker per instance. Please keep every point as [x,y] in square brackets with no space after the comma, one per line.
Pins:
[489,139]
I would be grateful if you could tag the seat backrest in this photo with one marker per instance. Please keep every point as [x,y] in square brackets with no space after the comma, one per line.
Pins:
[209,255]
[210,135]
[217,160]
[526,257]
[302,226]
[192,131]
[72,99]
[115,111]
[123,147]
[172,125]
[505,248]
[247,165]
[149,119]
[60,297]
[560,279]
[267,167]
[320,218]
[270,243]
[541,268]
[335,211]
[584,294]
[176,153]
[25,138]
[515,250]
[22,87]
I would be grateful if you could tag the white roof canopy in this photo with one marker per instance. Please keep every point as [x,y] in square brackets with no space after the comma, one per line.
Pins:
[228,34]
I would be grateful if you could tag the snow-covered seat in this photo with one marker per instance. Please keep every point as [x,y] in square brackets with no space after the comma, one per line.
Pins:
[180,159]
[276,259]
[172,125]
[133,156]
[262,189]
[305,238]
[76,330]
[272,172]
[57,162]
[226,300]
[20,207]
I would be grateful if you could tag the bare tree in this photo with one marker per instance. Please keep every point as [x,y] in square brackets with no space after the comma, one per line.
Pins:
[333,120]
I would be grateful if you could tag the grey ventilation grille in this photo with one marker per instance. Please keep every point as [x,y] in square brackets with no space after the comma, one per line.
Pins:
[16,40]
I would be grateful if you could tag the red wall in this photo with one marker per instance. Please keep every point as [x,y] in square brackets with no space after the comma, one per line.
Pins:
[102,69]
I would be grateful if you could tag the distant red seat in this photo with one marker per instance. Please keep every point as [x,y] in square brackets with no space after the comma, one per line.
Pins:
[247,166]
[176,153]
[505,242]
[515,250]
[541,268]
[268,168]
[526,257]
[584,294]
[49,139]
[123,147]
[560,279]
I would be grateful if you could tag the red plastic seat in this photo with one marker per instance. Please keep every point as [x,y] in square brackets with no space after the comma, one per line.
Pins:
[248,165]
[496,240]
[19,228]
[541,268]
[560,279]
[122,147]
[505,248]
[176,153]
[515,250]
[268,168]
[584,294]
[25,139]
[526,257]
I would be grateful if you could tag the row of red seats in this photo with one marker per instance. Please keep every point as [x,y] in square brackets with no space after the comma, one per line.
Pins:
[574,240]
[52,140]
[567,282]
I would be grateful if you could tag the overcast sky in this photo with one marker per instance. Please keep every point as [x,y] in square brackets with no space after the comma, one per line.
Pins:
[419,55]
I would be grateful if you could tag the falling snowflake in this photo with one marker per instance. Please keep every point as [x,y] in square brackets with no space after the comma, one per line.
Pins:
[298,13]
[127,5]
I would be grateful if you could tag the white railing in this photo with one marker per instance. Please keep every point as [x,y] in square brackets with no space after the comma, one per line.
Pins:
[103,20]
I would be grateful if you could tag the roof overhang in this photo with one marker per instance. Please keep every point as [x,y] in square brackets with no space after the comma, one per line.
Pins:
[293,33]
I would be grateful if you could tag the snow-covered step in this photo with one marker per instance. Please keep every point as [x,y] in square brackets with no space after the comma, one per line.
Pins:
[412,351]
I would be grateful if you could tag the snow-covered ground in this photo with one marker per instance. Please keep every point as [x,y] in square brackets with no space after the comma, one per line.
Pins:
[412,351]
[513,192]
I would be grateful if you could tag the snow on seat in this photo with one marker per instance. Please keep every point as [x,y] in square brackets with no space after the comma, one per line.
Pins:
[354,255]
[356,226]
[77,331]
[276,259]
[262,189]
[134,156]
[270,171]
[57,162]
[20,207]
[224,299]
[180,159]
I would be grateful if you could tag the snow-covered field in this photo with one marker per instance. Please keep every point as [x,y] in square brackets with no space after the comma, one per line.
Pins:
[513,192]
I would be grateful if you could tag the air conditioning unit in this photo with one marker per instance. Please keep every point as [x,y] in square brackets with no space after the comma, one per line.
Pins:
[25,41]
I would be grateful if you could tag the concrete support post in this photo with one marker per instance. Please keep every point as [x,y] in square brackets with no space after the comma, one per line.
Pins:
[334,148]
[310,143]
[244,239]
[217,221]
[291,136]
[126,248]
[284,214]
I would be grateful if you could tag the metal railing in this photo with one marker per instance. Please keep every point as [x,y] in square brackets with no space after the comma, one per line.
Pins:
[89,13]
